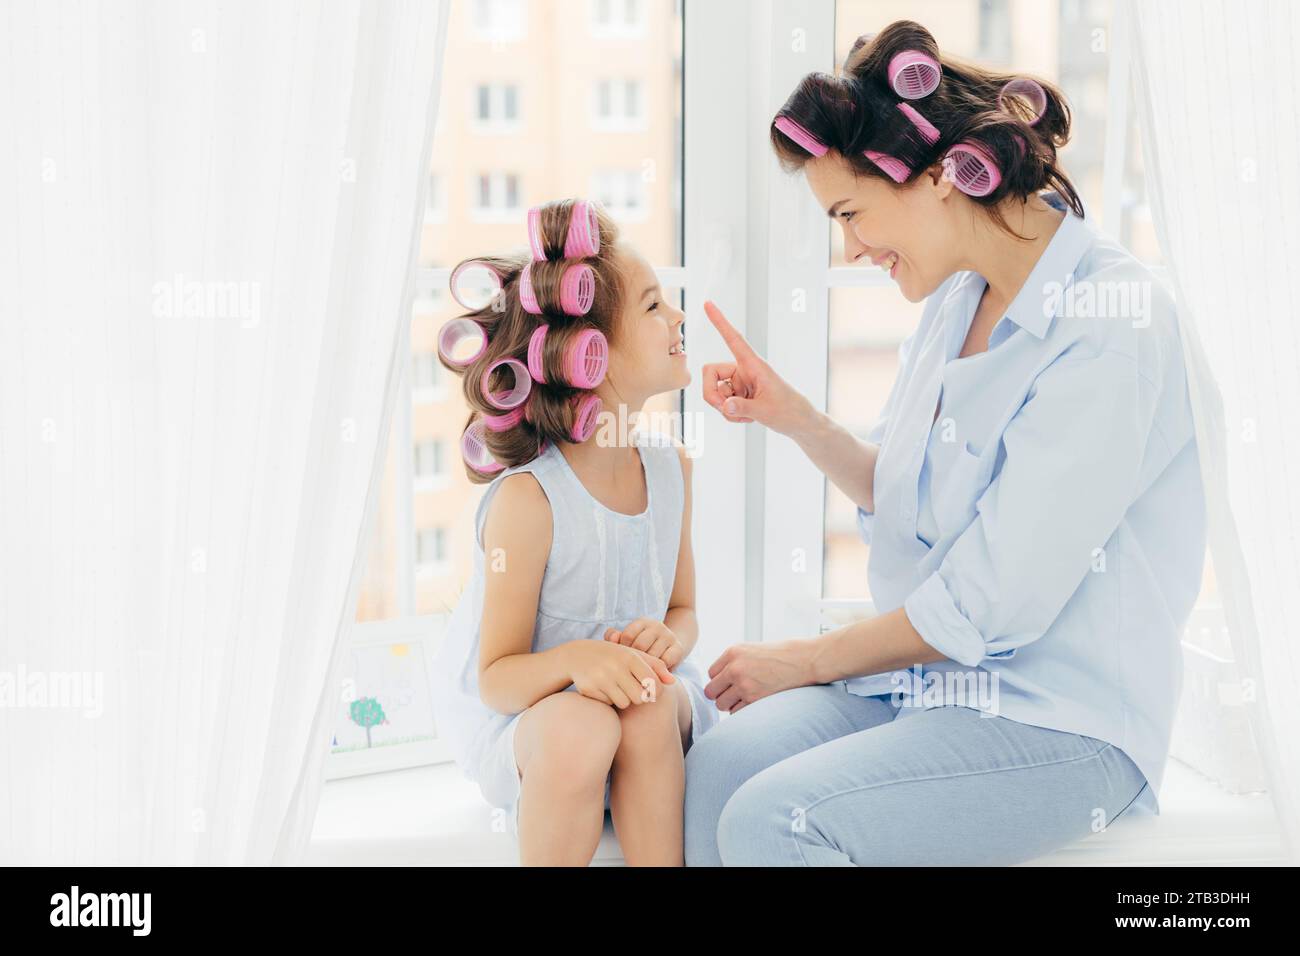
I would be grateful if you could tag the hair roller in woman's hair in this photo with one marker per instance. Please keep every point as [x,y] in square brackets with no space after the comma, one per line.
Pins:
[913,74]
[1024,99]
[972,169]
[474,449]
[800,135]
[461,341]
[520,385]
[586,359]
[923,125]
[585,415]
[584,231]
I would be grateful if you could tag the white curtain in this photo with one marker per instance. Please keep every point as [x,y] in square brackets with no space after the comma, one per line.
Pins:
[209,214]
[1219,123]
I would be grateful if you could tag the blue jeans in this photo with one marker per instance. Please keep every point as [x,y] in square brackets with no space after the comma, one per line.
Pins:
[817,776]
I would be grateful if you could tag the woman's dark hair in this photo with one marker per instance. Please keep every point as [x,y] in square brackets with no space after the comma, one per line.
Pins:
[858,110]
[550,408]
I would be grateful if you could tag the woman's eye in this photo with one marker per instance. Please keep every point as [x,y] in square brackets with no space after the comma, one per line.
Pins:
[653,306]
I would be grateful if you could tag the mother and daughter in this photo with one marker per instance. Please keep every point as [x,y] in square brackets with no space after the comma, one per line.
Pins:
[567,683]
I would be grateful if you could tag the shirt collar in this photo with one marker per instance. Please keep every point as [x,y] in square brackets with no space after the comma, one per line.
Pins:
[1033,309]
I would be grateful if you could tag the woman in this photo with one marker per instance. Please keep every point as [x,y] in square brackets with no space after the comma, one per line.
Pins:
[1031,495]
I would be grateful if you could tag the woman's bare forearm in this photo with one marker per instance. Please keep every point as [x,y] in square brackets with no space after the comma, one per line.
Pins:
[848,461]
[877,645]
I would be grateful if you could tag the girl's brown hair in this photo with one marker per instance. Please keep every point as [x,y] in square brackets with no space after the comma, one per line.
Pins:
[858,110]
[550,409]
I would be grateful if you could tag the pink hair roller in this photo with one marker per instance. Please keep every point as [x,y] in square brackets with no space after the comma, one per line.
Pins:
[535,345]
[800,135]
[456,337]
[577,290]
[502,423]
[1030,92]
[914,74]
[973,170]
[587,359]
[535,234]
[474,449]
[458,276]
[584,231]
[518,391]
[895,169]
[923,125]
[584,418]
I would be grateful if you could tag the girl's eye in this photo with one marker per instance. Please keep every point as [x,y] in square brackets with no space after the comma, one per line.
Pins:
[847,216]
[653,306]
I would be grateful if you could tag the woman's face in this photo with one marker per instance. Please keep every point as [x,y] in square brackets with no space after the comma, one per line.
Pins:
[648,356]
[880,220]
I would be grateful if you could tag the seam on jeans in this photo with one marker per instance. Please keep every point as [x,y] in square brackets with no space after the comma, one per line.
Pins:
[947,776]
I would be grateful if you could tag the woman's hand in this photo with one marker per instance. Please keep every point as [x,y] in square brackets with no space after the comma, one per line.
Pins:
[614,674]
[748,672]
[748,390]
[651,637]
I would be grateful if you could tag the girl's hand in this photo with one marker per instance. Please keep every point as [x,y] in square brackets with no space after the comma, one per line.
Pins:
[748,390]
[748,672]
[614,674]
[652,637]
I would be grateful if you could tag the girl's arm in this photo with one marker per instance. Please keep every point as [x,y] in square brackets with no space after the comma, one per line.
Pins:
[680,618]
[513,677]
[516,543]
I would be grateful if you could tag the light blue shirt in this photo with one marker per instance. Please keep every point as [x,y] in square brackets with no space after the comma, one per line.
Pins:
[1046,532]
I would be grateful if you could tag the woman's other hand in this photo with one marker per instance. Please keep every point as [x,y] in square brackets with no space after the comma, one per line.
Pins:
[748,672]
[748,390]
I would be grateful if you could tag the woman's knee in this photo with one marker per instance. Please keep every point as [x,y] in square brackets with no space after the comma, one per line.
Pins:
[754,820]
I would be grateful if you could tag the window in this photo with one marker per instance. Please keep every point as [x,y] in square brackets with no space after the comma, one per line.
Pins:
[430,463]
[497,21]
[435,209]
[622,191]
[496,107]
[618,104]
[431,547]
[427,377]
[496,196]
[614,18]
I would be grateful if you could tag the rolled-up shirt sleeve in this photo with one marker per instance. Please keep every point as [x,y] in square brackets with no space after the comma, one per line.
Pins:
[1073,465]
[876,435]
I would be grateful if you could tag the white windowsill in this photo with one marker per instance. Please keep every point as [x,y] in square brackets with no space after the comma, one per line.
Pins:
[431,816]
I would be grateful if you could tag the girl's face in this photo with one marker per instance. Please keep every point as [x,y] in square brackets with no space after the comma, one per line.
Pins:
[648,356]
[914,223]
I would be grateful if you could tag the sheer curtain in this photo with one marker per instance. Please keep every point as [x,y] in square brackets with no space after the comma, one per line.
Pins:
[1216,92]
[210,220]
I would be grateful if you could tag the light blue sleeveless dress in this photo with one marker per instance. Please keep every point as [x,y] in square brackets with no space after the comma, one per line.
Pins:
[605,569]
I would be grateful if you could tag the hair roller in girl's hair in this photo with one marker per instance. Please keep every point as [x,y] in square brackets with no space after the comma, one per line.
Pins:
[583,238]
[474,449]
[577,290]
[913,74]
[503,423]
[583,361]
[474,284]
[586,412]
[461,341]
[535,344]
[521,385]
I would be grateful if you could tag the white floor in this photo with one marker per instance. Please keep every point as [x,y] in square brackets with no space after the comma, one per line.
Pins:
[430,816]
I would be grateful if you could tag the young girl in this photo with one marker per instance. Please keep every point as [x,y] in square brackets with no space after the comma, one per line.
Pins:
[566,685]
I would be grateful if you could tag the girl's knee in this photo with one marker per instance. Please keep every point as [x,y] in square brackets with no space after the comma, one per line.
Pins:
[651,726]
[573,737]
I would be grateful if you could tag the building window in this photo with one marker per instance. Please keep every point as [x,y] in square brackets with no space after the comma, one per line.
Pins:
[430,462]
[618,104]
[496,196]
[622,192]
[500,21]
[435,209]
[495,107]
[617,18]
[431,547]
[428,383]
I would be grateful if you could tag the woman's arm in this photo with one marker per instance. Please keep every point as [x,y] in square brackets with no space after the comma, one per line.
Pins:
[748,390]
[747,672]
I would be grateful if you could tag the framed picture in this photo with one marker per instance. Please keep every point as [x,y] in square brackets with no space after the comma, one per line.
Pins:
[384,719]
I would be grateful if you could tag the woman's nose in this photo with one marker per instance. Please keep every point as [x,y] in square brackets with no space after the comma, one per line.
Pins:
[853,246]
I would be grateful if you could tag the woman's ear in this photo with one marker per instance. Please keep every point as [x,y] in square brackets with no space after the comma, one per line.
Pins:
[935,179]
